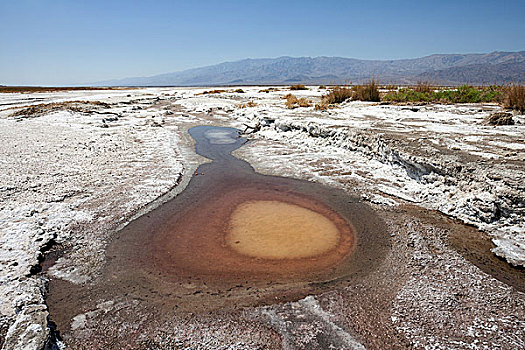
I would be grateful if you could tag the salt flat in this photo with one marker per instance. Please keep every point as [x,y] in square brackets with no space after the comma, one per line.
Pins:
[73,174]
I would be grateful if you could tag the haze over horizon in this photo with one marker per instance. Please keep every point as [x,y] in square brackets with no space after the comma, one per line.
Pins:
[68,43]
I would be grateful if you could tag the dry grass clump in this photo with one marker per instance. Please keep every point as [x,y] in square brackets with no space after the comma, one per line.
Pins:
[338,94]
[514,98]
[368,92]
[293,102]
[248,104]
[298,87]
[211,92]
[322,87]
[239,91]
[46,108]
[269,90]
[303,102]
[321,106]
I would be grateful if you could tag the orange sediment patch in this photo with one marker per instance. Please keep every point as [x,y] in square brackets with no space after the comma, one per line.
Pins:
[280,236]
[278,230]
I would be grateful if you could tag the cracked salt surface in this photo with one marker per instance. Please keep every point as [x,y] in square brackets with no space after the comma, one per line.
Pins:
[418,162]
[62,171]
[431,302]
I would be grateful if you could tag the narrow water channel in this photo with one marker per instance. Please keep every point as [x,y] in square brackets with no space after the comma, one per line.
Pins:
[232,238]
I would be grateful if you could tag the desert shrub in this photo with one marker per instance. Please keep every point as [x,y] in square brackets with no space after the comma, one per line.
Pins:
[240,91]
[298,87]
[269,90]
[321,106]
[338,94]
[407,95]
[293,102]
[499,118]
[211,92]
[463,94]
[248,104]
[322,87]
[514,98]
[368,92]
[468,94]
[303,102]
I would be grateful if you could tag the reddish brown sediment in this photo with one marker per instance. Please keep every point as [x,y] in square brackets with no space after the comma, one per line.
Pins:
[177,259]
[195,244]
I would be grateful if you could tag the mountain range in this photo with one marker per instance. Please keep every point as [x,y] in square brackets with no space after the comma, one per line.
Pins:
[444,69]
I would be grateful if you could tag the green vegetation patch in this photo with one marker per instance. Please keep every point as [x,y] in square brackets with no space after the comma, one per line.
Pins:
[463,94]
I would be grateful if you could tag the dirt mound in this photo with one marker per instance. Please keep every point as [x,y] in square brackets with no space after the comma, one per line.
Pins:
[46,108]
[500,118]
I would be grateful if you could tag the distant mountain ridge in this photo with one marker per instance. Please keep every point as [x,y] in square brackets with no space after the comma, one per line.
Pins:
[446,69]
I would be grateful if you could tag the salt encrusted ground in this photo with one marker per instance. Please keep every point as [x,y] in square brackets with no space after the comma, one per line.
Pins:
[72,178]
[63,171]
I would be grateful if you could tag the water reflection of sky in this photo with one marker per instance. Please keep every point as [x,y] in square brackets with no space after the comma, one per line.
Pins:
[219,137]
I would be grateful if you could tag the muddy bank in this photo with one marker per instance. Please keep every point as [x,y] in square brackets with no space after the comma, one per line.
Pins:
[175,259]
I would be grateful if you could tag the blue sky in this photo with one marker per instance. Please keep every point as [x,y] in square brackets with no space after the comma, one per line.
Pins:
[54,42]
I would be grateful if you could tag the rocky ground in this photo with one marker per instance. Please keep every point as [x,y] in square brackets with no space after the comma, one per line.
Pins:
[78,165]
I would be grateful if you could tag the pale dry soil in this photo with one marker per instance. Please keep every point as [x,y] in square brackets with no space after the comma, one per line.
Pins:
[71,177]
